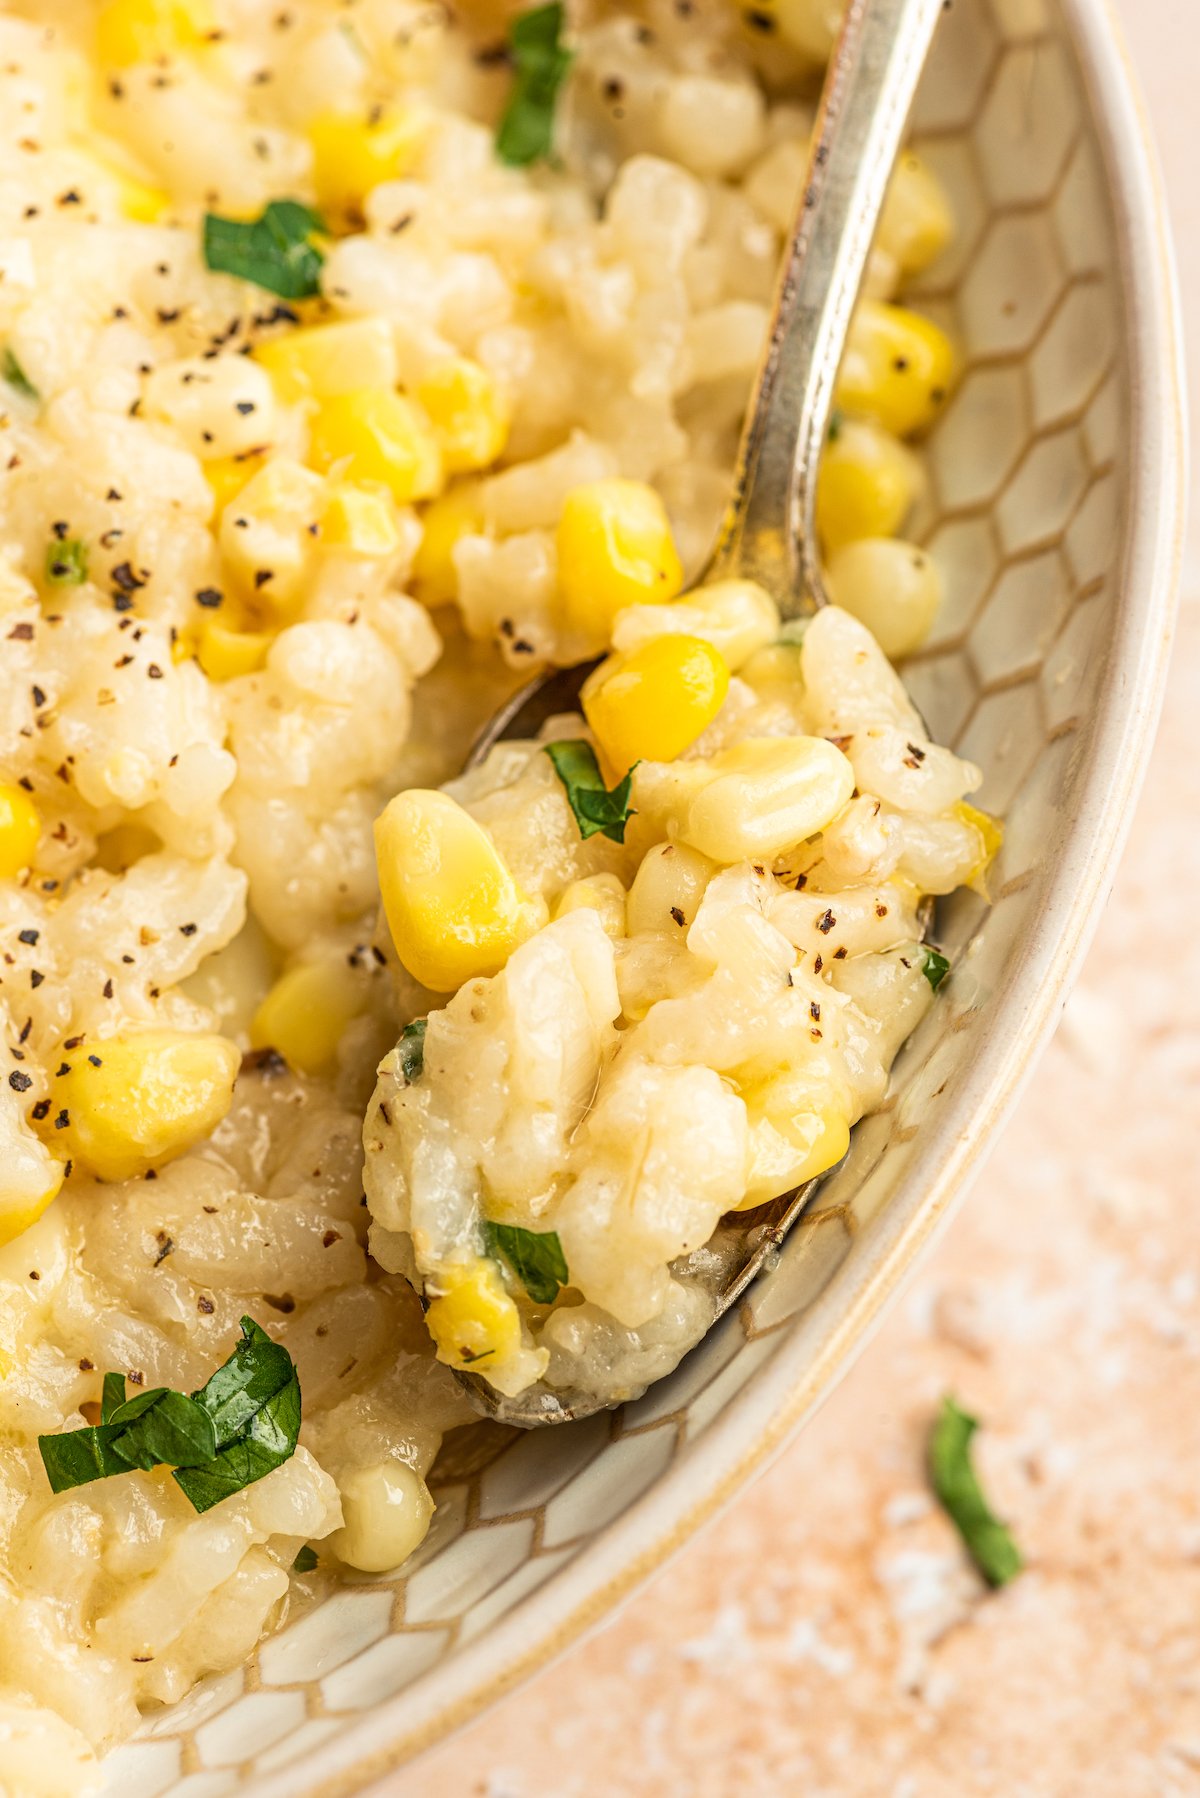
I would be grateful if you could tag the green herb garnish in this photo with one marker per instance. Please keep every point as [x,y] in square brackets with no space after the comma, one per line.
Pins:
[16,377]
[237,1428]
[412,1049]
[274,251]
[935,967]
[66,562]
[988,1541]
[535,1256]
[595,808]
[793,630]
[306,1560]
[526,132]
[835,426]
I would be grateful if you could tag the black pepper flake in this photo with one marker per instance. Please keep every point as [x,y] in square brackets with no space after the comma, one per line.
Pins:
[39,697]
[840,954]
[245,407]
[154,672]
[65,1068]
[122,602]
[814,1011]
[112,494]
[678,915]
[167,315]
[29,936]
[19,1082]
[70,198]
[41,1110]
[63,1120]
[124,577]
[826,922]
[95,1061]
[35,978]
[165,1245]
[188,929]
[86,1366]
[211,597]
[107,989]
[26,1027]
[21,633]
[263,575]
[818,964]
[205,1304]
[59,529]
[72,1042]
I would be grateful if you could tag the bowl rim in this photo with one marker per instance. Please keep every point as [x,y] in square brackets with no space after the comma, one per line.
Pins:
[818,1351]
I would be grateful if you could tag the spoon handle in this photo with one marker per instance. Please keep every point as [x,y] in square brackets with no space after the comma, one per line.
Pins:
[768,533]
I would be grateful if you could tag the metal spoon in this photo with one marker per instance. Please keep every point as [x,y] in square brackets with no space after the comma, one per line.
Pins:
[768,532]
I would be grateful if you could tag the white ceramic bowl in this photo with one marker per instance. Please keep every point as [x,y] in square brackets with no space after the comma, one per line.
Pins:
[1055,511]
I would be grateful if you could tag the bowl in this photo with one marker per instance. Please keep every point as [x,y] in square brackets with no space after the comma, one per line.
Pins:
[1054,510]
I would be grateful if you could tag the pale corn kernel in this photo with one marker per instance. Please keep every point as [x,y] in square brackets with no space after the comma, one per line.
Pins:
[228,475]
[652,704]
[20,828]
[469,413]
[444,523]
[361,520]
[27,1186]
[791,1139]
[991,840]
[751,801]
[866,486]
[898,368]
[892,587]
[133,31]
[306,1013]
[667,890]
[323,361]
[133,1102]
[354,151]
[268,539]
[471,1317]
[452,906]
[736,617]
[602,893]
[810,26]
[377,435]
[917,221]
[615,549]
[387,1509]
[226,652]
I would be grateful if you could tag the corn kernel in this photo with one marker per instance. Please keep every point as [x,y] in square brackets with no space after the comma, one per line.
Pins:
[305,1015]
[20,828]
[377,435]
[601,893]
[991,839]
[131,31]
[737,617]
[324,361]
[892,587]
[468,412]
[27,1187]
[354,151]
[444,523]
[751,801]
[452,906]
[615,549]
[810,26]
[471,1316]
[791,1140]
[228,475]
[268,539]
[386,1509]
[652,704]
[225,652]
[133,1102]
[667,889]
[361,520]
[917,222]
[866,486]
[898,368]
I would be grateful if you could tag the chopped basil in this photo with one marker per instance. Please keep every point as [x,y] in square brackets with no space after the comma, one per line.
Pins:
[274,251]
[535,1256]
[935,967]
[66,562]
[412,1049]
[526,132]
[835,426]
[306,1560]
[988,1541]
[595,808]
[238,1427]
[16,377]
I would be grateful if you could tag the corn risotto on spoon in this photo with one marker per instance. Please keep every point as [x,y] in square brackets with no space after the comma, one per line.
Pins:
[768,533]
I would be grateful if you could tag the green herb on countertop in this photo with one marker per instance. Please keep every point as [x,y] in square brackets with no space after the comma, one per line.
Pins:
[988,1541]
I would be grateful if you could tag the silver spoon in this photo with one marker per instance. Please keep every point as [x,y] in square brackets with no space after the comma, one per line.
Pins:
[768,532]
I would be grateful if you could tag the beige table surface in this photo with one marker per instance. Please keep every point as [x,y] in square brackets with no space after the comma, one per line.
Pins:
[825,1640]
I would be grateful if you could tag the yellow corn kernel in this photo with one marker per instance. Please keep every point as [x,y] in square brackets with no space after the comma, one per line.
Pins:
[131,31]
[386,1511]
[898,367]
[375,434]
[892,587]
[751,801]
[323,361]
[27,1187]
[137,197]
[268,539]
[601,893]
[469,414]
[452,906]
[471,1317]
[354,151]
[615,549]
[455,515]
[361,520]
[866,486]
[133,1102]
[991,839]
[225,652]
[652,704]
[228,475]
[305,1015]
[791,1139]
[20,828]
[917,221]
[667,890]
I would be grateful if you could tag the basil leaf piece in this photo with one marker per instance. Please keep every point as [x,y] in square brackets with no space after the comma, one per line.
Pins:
[66,562]
[535,1256]
[835,426]
[16,377]
[254,1404]
[935,967]
[526,132]
[112,1395]
[595,808]
[988,1541]
[274,251]
[306,1560]
[152,1429]
[78,1457]
[412,1049]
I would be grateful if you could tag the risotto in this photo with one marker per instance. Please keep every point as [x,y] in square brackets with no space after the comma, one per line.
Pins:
[357,361]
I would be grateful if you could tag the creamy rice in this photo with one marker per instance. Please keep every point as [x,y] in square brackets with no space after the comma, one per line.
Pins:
[234,630]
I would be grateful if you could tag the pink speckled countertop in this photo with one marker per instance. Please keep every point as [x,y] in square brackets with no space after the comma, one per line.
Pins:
[826,1638]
